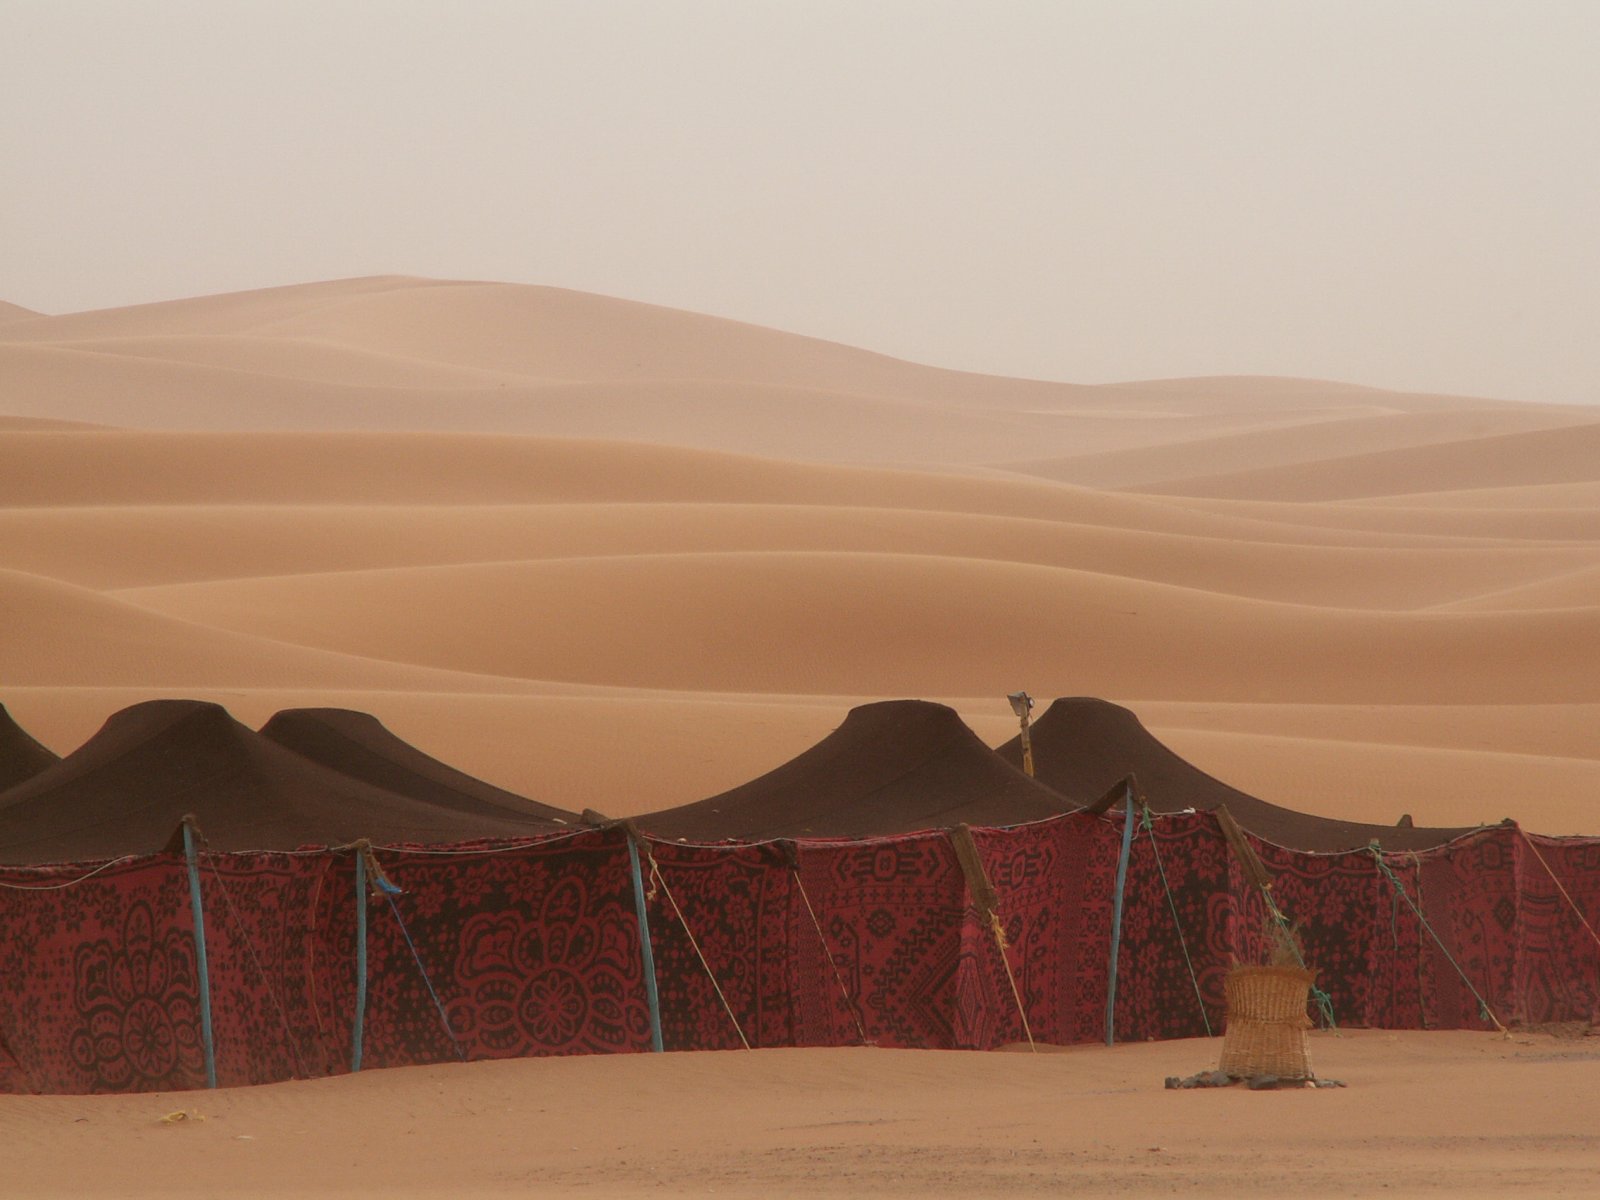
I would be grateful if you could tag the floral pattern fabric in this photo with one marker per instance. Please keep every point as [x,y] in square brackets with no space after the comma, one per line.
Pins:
[495,951]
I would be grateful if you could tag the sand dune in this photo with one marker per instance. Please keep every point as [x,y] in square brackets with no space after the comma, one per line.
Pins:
[130,546]
[503,517]
[60,635]
[834,622]
[391,353]
[115,468]
[1570,454]
[1473,517]
[1342,433]
[1554,497]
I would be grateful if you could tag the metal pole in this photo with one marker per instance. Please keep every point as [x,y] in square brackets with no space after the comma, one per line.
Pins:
[359,1029]
[197,911]
[1116,918]
[645,952]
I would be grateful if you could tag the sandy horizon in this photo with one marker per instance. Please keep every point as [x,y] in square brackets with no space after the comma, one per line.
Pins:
[614,556]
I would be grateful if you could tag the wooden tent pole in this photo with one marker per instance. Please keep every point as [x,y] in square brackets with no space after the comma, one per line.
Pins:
[987,901]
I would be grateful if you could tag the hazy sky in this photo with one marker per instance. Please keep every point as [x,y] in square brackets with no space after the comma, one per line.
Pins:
[1391,192]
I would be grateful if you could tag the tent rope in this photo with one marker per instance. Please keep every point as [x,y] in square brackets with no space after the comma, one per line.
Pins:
[658,879]
[849,1001]
[388,889]
[1177,922]
[249,945]
[1565,895]
[56,887]
[1394,880]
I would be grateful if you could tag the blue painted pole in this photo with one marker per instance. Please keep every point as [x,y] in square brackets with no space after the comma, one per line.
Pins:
[645,951]
[1116,919]
[197,911]
[358,1030]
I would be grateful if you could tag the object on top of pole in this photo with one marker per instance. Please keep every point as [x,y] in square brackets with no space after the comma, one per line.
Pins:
[1022,705]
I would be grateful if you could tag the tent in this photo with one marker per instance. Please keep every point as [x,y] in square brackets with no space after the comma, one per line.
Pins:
[127,789]
[20,756]
[1082,746]
[894,767]
[158,969]
[357,744]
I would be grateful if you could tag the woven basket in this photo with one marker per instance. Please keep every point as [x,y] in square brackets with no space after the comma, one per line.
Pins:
[1267,1022]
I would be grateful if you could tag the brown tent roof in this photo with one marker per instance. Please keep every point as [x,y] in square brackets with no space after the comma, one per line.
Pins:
[1082,746]
[126,790]
[893,767]
[20,756]
[359,745]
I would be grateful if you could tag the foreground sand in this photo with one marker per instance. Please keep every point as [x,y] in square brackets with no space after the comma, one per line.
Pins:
[1459,1114]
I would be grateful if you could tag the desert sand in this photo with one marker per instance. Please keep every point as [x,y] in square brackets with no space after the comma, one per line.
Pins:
[616,556]
[1437,1114]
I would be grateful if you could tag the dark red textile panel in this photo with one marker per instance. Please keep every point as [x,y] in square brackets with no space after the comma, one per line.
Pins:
[1558,968]
[531,950]
[98,988]
[739,904]
[1181,862]
[1055,881]
[1395,994]
[1351,927]
[892,912]
[1467,891]
[282,972]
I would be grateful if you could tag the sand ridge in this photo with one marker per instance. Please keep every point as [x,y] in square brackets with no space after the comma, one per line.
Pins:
[462,502]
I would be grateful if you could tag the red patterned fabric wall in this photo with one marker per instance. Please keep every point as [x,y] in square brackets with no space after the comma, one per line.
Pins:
[1179,899]
[1354,932]
[1467,891]
[892,912]
[282,968]
[1054,881]
[530,950]
[1558,967]
[98,988]
[739,905]
[533,948]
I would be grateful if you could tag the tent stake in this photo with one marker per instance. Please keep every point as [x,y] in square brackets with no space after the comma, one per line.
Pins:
[1116,917]
[197,911]
[645,952]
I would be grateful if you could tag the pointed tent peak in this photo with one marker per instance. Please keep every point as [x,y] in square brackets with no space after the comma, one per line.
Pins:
[21,757]
[896,766]
[128,787]
[164,729]
[1083,745]
[359,745]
